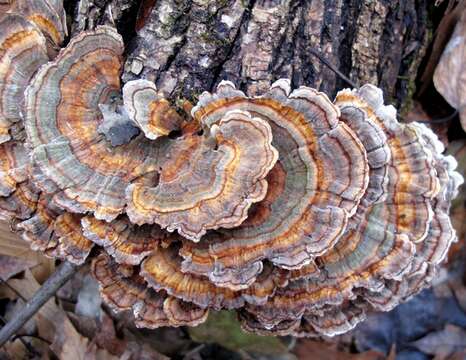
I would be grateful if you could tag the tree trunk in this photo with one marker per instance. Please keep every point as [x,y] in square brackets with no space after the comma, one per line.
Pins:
[188,46]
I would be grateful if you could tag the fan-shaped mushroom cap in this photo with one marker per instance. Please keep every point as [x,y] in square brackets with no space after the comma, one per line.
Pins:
[13,166]
[412,166]
[123,289]
[363,121]
[432,250]
[181,313]
[329,321]
[38,229]
[365,257]
[22,52]
[162,271]
[18,194]
[306,272]
[320,177]
[379,260]
[413,177]
[223,182]
[62,119]
[332,321]
[149,110]
[56,233]
[72,244]
[20,204]
[282,328]
[48,15]
[125,242]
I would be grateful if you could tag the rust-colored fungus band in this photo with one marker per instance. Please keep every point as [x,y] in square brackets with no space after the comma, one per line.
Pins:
[299,213]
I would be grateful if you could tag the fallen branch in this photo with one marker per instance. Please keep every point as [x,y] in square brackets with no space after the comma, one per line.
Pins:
[47,290]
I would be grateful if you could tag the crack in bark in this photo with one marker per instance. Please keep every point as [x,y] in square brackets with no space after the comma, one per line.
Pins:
[346,39]
[191,50]
[234,44]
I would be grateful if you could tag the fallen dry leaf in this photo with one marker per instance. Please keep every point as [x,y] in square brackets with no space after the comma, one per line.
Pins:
[442,35]
[106,336]
[409,322]
[48,315]
[392,353]
[450,74]
[459,291]
[166,340]
[11,266]
[311,349]
[70,291]
[442,343]
[70,344]
[14,350]
[137,351]
[86,326]
[12,245]
[460,355]
[89,300]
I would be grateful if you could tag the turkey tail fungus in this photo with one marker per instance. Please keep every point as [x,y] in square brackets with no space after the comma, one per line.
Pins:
[299,213]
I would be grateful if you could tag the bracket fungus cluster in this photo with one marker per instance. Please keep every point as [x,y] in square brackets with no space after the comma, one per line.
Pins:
[300,213]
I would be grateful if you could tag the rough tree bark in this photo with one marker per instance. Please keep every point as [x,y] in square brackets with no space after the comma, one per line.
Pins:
[188,46]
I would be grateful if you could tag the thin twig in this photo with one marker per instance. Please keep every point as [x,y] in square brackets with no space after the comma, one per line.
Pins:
[20,336]
[191,355]
[324,61]
[47,290]
[25,344]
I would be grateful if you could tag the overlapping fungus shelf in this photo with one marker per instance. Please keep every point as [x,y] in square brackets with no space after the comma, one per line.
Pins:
[48,15]
[322,173]
[150,111]
[22,52]
[299,213]
[62,125]
[225,174]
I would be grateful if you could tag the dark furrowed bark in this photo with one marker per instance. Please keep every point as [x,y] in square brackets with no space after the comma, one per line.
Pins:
[188,46]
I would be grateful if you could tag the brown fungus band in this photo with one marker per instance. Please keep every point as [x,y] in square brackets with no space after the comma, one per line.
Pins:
[320,177]
[48,15]
[299,213]
[22,51]
[382,258]
[62,121]
[208,184]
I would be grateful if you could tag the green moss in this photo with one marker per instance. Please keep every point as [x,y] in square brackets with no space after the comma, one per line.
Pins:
[407,102]
[223,328]
[168,25]
[210,38]
[221,3]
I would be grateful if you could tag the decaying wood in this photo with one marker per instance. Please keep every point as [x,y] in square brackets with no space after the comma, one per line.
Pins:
[188,46]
